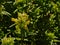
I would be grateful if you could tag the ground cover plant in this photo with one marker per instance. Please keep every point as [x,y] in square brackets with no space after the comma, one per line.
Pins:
[29,22]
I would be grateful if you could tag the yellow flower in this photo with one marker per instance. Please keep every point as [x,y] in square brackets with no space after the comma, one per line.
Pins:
[22,16]
[25,27]
[27,22]
[14,20]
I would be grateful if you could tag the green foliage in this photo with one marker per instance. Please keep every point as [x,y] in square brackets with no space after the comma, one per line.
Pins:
[8,41]
[27,22]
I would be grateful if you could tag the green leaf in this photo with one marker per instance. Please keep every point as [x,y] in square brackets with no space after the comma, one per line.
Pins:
[5,13]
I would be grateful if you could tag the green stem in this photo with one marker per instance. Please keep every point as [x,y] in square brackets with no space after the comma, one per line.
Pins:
[22,38]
